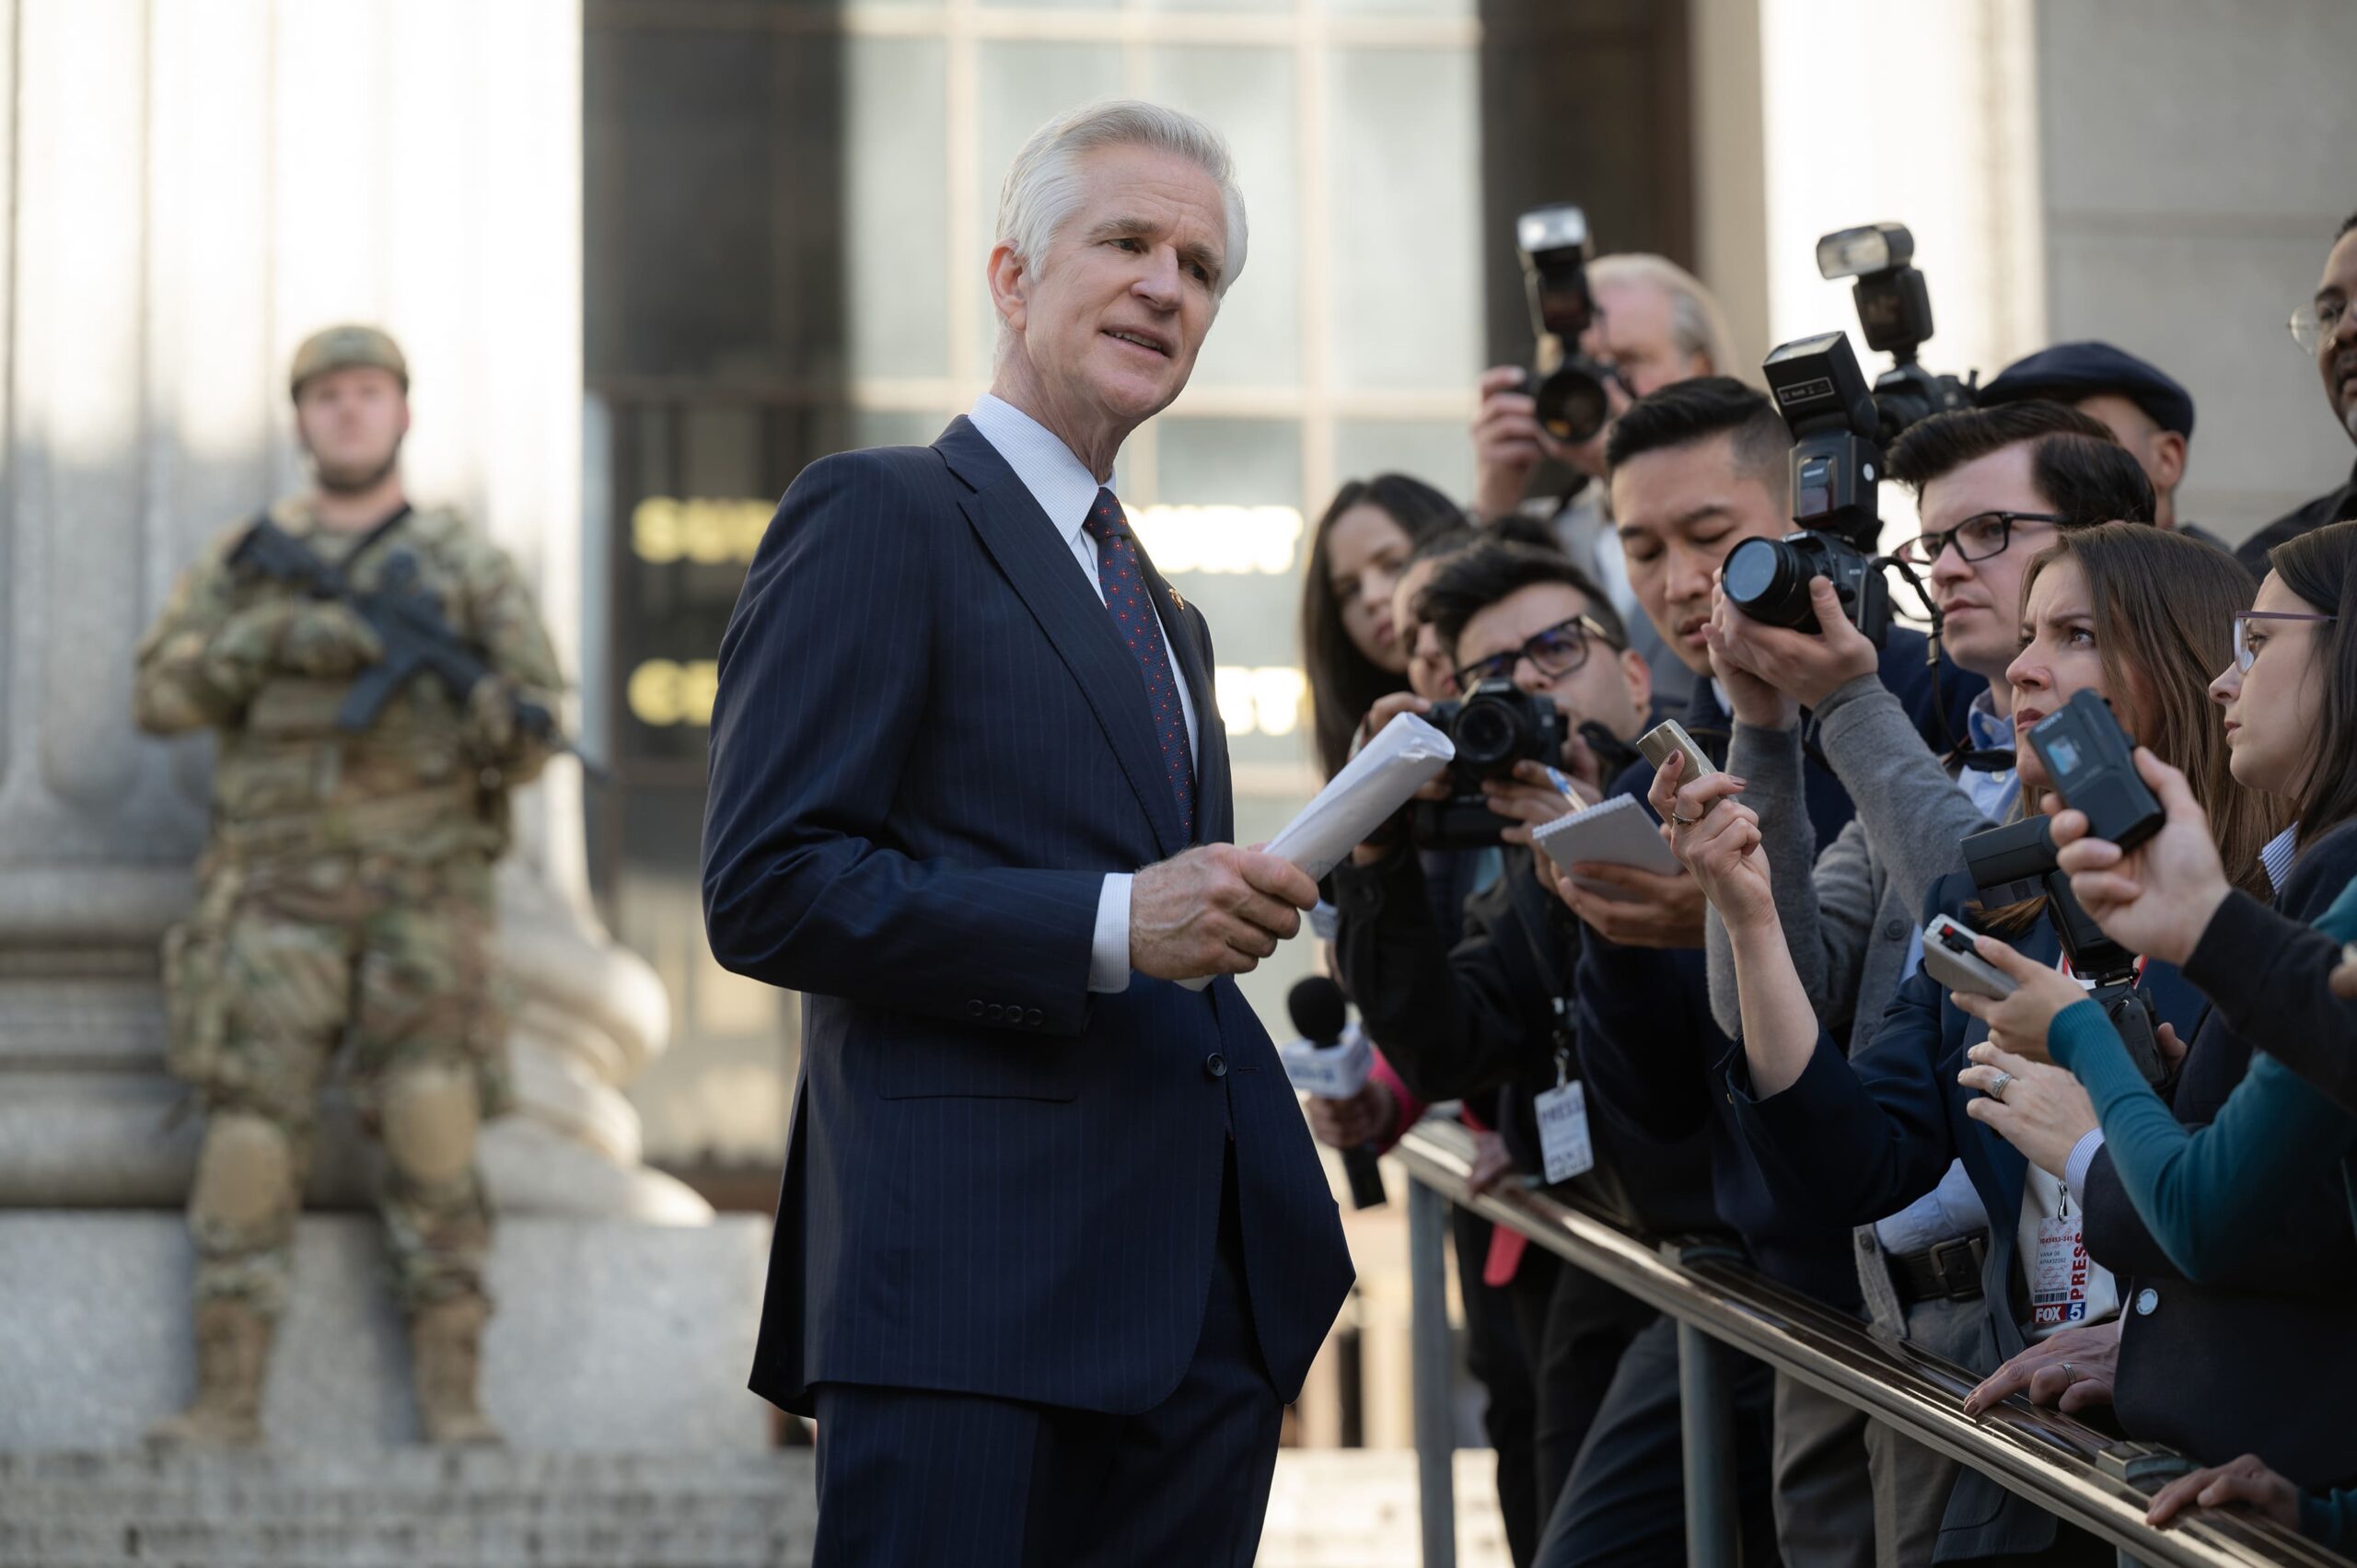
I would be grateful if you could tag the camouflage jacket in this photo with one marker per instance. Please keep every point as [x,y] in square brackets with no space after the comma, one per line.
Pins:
[428,780]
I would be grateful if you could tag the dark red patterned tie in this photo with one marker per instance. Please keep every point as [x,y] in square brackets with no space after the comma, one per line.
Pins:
[1126,595]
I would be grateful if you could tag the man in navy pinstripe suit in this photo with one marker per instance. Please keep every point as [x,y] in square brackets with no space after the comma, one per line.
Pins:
[1053,1249]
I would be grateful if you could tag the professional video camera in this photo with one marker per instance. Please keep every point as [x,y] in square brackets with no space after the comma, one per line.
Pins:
[1553,242]
[1836,462]
[1493,726]
[2014,864]
[1895,309]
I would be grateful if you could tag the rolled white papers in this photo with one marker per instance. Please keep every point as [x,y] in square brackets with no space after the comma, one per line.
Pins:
[1404,757]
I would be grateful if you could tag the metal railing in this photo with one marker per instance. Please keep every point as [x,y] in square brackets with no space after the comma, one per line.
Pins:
[2082,1476]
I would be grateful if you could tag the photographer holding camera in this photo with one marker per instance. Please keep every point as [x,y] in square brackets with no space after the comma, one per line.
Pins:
[1531,633]
[1609,331]
[1994,487]
[1699,467]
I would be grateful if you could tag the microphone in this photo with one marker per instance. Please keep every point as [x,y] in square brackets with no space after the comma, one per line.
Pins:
[1322,1012]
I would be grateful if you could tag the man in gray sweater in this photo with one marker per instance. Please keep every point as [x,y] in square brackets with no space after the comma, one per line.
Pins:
[1994,486]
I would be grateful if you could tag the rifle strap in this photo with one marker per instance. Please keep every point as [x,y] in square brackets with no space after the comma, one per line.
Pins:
[376,531]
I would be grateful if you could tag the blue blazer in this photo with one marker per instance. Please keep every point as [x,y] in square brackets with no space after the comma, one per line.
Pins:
[1863,1138]
[928,747]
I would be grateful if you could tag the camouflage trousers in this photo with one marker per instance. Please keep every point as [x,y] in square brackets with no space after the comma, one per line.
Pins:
[381,971]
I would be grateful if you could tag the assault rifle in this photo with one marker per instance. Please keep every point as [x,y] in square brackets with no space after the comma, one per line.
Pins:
[406,617]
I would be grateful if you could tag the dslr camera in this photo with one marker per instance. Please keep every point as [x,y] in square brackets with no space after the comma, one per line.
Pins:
[2014,864]
[1836,465]
[1493,726]
[1553,243]
[1895,309]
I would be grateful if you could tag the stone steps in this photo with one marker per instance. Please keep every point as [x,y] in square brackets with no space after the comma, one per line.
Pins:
[406,1507]
[420,1508]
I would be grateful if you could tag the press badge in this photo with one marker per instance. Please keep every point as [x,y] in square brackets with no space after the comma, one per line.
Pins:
[2057,1279]
[1563,1142]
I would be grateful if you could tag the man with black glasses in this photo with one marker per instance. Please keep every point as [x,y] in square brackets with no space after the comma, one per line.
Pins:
[1491,1011]
[1995,487]
[2326,329]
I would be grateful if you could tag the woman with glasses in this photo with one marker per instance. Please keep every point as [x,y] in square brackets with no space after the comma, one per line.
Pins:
[2260,1192]
[2142,619]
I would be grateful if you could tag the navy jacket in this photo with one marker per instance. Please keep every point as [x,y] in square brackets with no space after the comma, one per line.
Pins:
[1651,1046]
[929,747]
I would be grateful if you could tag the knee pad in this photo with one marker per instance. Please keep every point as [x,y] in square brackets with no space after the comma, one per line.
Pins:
[429,1114]
[245,1177]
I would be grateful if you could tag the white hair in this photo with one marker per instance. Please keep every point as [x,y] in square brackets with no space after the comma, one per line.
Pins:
[1043,183]
[1696,322]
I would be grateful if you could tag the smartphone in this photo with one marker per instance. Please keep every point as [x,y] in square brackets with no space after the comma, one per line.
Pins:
[1667,738]
[1949,959]
[2092,765]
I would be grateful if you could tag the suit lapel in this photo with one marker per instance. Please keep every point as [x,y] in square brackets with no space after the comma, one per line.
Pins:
[1189,639]
[1030,552]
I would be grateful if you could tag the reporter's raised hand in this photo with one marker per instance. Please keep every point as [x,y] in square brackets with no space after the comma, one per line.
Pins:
[2246,1480]
[1215,910]
[2157,899]
[1508,442]
[1714,837]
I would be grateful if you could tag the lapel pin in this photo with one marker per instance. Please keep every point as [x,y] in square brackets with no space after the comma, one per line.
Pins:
[1177,601]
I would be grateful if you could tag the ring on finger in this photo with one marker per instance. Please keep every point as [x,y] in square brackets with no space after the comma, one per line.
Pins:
[2000,1084]
[2067,1372]
[1682,821]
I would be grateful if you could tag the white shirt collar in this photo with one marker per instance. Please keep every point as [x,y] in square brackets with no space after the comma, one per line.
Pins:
[2277,856]
[1057,480]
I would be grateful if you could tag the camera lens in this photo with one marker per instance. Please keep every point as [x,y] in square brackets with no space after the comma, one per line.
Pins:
[1571,406]
[1485,733]
[1768,580]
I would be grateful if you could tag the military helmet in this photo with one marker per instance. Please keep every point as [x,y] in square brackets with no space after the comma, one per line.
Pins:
[339,348]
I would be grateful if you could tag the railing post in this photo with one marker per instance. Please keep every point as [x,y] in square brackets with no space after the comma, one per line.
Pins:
[1434,1362]
[1706,1419]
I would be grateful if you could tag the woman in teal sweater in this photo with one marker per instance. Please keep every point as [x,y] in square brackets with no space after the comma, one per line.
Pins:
[2208,1195]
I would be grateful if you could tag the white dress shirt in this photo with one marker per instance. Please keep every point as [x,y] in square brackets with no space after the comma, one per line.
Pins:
[1066,492]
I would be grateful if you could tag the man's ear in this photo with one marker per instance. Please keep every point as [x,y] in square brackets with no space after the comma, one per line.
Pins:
[2168,456]
[1639,678]
[1010,282]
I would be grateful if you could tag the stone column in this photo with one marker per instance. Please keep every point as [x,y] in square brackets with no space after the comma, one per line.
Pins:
[196,189]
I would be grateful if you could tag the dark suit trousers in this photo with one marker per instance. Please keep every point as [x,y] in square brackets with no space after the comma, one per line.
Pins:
[928,1479]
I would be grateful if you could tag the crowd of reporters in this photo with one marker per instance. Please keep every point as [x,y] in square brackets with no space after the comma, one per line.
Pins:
[2099,1145]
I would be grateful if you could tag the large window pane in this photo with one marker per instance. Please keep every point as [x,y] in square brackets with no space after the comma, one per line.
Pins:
[1404,203]
[1439,452]
[897,196]
[1248,95]
[1230,530]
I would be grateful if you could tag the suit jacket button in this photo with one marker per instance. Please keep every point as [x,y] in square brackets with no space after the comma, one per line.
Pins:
[1215,1065]
[974,1008]
[2146,1300]
[1893,930]
[1031,1015]
[993,1014]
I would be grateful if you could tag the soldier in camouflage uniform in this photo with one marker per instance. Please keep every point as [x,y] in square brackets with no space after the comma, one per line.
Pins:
[345,917]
